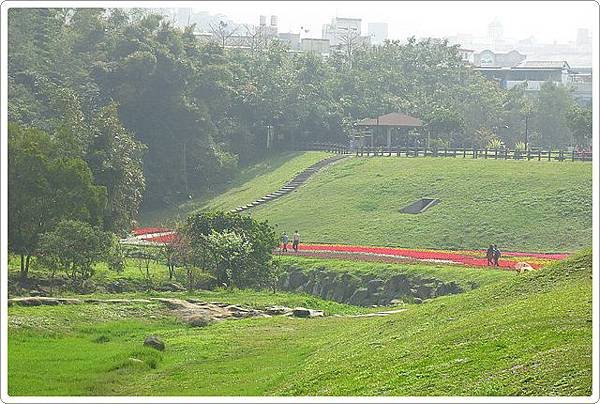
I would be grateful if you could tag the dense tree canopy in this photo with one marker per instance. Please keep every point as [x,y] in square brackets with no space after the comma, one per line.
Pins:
[159,116]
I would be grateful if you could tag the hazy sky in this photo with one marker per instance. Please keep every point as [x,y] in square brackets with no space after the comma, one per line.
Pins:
[547,21]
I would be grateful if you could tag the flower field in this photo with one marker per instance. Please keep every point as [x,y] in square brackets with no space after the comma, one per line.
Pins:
[470,258]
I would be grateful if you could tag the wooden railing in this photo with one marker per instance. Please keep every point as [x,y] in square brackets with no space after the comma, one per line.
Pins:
[492,154]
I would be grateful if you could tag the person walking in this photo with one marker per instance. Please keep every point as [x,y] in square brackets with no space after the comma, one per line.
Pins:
[295,240]
[496,255]
[284,241]
[490,256]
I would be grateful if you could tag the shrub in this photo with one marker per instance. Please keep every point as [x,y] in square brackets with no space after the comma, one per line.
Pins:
[74,247]
[236,249]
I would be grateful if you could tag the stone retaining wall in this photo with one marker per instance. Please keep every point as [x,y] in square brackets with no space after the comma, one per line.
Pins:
[365,290]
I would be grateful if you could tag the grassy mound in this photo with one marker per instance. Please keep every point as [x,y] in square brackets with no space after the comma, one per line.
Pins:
[252,183]
[526,334]
[519,205]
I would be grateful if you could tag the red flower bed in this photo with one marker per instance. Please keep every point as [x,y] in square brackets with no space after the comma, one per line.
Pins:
[148,230]
[428,255]
[167,238]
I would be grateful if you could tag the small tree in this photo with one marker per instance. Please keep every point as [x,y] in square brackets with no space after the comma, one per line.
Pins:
[236,249]
[227,251]
[74,247]
[579,121]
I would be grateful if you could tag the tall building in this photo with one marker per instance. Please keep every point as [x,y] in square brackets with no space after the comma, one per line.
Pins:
[340,28]
[378,31]
[495,32]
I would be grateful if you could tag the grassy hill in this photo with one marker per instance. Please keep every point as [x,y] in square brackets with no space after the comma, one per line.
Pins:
[526,334]
[522,206]
[252,183]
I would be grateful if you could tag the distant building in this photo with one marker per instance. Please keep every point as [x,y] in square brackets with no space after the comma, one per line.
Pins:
[535,73]
[487,58]
[378,32]
[316,45]
[290,39]
[495,32]
[467,55]
[340,28]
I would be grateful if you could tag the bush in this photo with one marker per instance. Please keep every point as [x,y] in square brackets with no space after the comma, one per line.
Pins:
[74,247]
[235,249]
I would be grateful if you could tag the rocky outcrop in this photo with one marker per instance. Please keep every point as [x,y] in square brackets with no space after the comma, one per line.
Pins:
[365,290]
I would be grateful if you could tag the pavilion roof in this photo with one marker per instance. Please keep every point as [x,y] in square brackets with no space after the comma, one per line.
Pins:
[396,119]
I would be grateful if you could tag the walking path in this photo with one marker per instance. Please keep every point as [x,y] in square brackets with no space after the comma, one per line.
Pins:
[293,184]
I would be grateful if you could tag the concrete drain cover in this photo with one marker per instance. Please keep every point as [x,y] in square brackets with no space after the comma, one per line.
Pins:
[419,206]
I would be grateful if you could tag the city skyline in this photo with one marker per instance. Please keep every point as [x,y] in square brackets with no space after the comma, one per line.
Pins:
[555,22]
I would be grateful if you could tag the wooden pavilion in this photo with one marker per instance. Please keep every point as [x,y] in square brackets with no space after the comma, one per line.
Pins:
[394,123]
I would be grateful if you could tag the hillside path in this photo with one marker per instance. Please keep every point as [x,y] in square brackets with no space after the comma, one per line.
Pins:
[293,184]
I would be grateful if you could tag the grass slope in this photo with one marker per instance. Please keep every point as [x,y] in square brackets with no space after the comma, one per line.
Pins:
[527,334]
[521,206]
[253,183]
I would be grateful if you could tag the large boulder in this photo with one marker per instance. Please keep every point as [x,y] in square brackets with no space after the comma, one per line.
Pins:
[360,297]
[450,288]
[374,285]
[296,278]
[199,320]
[424,291]
[306,313]
[277,310]
[397,286]
[172,287]
[155,342]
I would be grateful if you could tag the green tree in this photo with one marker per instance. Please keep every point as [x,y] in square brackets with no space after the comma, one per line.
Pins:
[579,121]
[74,247]
[236,249]
[115,158]
[43,189]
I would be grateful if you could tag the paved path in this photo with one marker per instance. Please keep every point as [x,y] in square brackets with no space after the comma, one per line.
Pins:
[293,184]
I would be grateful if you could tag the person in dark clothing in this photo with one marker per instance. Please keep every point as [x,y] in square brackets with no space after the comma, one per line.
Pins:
[490,255]
[496,255]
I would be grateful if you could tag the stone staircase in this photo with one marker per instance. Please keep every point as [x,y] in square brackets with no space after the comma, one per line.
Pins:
[293,184]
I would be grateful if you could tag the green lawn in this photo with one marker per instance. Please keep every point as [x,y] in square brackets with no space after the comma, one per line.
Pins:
[519,205]
[525,334]
[251,184]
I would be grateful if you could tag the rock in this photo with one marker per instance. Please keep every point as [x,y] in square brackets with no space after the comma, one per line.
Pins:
[305,313]
[416,300]
[374,285]
[69,301]
[199,320]
[154,342]
[450,288]
[359,297]
[424,291]
[38,293]
[172,287]
[396,286]
[296,278]
[277,310]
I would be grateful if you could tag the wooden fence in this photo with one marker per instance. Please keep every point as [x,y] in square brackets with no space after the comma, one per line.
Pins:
[492,154]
